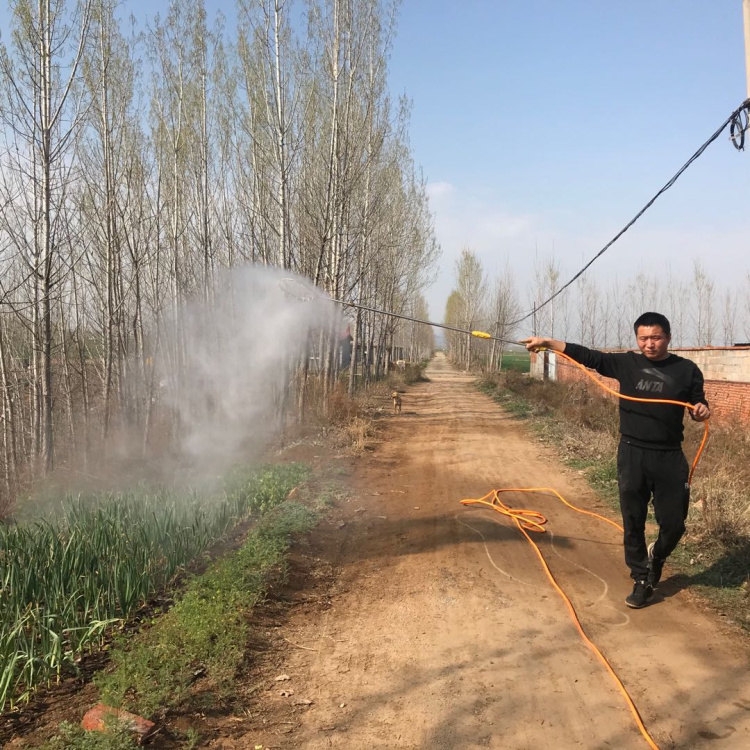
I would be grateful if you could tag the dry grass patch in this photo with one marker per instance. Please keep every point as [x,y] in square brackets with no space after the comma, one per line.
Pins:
[359,434]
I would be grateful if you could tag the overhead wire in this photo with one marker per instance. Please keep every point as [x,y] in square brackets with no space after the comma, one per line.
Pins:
[738,137]
[740,125]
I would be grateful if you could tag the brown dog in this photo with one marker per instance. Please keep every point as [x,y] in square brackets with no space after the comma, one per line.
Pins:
[396,396]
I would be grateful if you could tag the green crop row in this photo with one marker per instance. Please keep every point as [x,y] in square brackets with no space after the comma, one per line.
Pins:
[66,581]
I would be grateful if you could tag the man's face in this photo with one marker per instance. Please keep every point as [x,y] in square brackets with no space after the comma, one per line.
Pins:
[653,342]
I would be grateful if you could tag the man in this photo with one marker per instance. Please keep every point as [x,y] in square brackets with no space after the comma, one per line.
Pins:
[650,461]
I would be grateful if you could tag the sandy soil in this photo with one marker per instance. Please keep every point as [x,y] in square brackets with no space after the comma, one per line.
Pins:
[433,624]
[413,621]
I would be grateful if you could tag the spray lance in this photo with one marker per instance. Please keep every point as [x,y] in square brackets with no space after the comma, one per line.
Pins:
[304,291]
[476,334]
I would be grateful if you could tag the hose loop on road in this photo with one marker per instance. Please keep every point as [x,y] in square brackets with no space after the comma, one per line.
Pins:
[531,520]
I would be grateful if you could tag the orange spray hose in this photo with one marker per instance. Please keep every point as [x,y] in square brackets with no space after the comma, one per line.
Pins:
[704,440]
[531,520]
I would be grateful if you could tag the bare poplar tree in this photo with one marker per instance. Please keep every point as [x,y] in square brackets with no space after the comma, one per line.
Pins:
[676,303]
[421,339]
[344,138]
[42,116]
[729,317]
[643,293]
[619,328]
[505,308]
[182,53]
[106,154]
[703,288]
[546,283]
[589,313]
[471,286]
[453,310]
[268,56]
[10,393]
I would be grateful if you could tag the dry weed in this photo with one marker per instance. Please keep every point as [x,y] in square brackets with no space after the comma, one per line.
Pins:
[720,487]
[724,505]
[342,409]
[359,434]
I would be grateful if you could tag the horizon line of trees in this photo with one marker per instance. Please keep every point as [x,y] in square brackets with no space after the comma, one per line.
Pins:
[600,318]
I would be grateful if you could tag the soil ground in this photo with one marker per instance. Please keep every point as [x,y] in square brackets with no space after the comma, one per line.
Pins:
[413,621]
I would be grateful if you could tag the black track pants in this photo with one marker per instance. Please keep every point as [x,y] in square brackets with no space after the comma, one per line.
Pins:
[643,473]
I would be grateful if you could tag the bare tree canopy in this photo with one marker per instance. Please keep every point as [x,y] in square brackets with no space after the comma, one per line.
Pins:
[139,166]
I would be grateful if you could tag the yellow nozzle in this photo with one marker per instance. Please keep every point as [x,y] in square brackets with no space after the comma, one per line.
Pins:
[481,335]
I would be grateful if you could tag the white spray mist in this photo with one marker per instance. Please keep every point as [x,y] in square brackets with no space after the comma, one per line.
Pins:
[230,360]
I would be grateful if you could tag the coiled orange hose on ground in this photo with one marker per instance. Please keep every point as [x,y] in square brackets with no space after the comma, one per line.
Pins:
[531,520]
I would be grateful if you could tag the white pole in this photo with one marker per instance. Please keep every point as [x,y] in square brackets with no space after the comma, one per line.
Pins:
[746,16]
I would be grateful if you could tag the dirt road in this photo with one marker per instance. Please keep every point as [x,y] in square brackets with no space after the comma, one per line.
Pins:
[423,623]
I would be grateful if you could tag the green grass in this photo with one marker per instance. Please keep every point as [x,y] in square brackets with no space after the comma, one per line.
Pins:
[73,737]
[205,633]
[66,581]
[516,361]
[510,401]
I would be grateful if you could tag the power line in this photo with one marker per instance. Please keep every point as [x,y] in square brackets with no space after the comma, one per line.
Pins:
[738,128]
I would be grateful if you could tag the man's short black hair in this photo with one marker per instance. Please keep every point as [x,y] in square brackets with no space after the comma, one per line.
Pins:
[653,319]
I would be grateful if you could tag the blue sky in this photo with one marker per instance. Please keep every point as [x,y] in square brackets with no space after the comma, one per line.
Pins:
[542,127]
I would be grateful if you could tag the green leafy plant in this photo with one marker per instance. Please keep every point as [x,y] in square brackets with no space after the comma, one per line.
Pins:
[205,632]
[67,580]
[72,737]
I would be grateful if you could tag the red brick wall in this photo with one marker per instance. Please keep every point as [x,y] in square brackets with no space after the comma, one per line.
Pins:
[729,401]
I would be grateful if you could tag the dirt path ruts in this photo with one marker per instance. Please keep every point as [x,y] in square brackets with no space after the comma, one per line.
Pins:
[412,621]
[440,629]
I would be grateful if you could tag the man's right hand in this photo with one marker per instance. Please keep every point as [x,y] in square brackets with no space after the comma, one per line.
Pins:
[537,343]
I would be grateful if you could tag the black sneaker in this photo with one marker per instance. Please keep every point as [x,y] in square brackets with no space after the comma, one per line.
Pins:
[642,592]
[655,566]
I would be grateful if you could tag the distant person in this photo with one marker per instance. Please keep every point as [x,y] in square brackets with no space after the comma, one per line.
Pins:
[650,460]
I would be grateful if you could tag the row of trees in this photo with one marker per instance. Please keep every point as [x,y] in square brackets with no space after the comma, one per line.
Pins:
[588,312]
[139,164]
[480,304]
